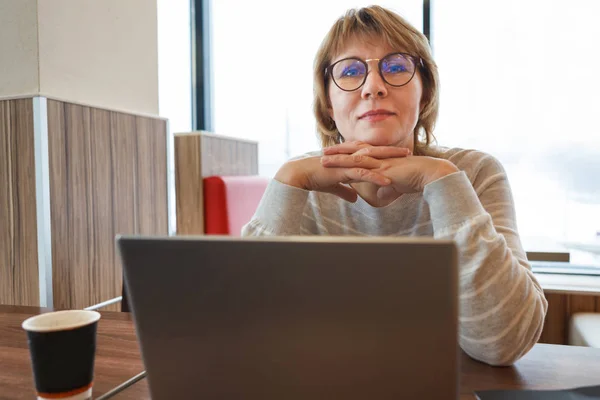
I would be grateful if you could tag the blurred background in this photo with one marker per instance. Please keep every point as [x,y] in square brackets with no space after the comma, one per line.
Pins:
[519,79]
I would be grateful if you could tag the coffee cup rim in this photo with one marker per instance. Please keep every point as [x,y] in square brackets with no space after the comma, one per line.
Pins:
[60,320]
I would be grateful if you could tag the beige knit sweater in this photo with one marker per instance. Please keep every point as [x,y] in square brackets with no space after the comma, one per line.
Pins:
[502,306]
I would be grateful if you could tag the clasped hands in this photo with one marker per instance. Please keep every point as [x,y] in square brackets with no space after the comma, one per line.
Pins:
[393,169]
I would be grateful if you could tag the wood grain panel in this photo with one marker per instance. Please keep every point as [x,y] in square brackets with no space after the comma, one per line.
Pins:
[581,303]
[59,205]
[206,148]
[223,155]
[152,175]
[77,132]
[105,180]
[156,155]
[188,183]
[124,166]
[162,170]
[561,306]
[7,248]
[555,325]
[103,273]
[26,274]
[145,169]
[18,227]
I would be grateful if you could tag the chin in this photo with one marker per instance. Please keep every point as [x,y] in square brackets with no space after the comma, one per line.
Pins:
[382,139]
[382,142]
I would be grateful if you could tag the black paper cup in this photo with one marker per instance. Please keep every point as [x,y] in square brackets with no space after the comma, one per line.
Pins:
[62,346]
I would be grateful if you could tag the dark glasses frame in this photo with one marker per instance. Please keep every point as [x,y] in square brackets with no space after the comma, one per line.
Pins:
[417,62]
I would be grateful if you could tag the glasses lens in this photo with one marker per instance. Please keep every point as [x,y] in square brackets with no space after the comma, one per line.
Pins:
[349,74]
[397,69]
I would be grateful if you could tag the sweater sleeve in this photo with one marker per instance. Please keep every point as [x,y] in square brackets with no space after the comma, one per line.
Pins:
[279,213]
[501,305]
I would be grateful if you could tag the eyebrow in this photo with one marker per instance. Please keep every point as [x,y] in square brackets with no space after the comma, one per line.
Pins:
[354,56]
[366,59]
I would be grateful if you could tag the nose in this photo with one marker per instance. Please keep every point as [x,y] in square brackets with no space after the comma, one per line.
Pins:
[374,85]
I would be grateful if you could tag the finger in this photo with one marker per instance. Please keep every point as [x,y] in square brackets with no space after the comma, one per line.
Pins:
[349,161]
[355,175]
[382,152]
[344,192]
[345,148]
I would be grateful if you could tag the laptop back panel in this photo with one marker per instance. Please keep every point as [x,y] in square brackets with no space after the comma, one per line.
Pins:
[295,318]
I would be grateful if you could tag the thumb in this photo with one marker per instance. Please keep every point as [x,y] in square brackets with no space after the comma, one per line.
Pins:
[386,193]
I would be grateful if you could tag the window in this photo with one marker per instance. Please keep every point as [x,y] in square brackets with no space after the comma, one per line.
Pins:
[520,80]
[263,54]
[174,78]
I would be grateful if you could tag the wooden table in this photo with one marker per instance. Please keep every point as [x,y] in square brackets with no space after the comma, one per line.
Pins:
[117,355]
[118,359]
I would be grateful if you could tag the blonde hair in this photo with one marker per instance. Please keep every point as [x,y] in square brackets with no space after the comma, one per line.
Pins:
[375,22]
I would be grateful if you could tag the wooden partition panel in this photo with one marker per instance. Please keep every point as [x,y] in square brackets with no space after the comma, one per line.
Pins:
[222,155]
[108,176]
[200,154]
[18,225]
[188,181]
[151,174]
[560,308]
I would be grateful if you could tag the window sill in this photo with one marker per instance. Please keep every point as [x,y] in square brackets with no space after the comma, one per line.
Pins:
[569,284]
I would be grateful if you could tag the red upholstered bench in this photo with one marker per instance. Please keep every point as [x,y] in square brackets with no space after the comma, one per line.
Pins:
[230,202]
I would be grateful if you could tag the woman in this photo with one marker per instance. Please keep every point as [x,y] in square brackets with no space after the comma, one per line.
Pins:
[376,103]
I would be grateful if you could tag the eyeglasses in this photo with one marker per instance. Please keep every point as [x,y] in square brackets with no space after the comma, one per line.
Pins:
[396,69]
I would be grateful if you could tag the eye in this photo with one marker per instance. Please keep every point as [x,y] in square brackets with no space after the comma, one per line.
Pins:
[397,64]
[396,68]
[348,69]
[351,71]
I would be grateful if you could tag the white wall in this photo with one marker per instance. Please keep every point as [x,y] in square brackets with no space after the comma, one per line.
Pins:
[18,48]
[101,53]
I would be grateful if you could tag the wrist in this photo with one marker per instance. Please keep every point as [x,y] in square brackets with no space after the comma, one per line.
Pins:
[444,168]
[288,176]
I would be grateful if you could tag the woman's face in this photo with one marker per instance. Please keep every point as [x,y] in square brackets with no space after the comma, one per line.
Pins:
[376,113]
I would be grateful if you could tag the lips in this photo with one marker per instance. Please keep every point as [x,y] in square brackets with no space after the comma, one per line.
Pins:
[376,114]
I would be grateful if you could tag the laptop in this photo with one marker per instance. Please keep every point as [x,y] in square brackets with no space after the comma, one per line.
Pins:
[295,317]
